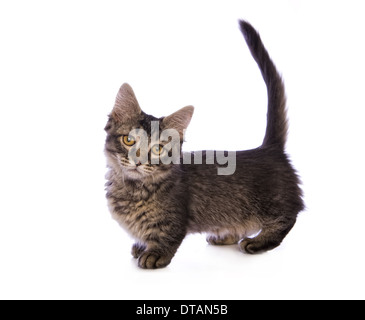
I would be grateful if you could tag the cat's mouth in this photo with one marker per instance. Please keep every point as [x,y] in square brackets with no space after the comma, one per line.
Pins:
[134,173]
[138,172]
[135,170]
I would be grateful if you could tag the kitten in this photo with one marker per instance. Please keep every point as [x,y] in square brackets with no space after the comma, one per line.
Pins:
[160,202]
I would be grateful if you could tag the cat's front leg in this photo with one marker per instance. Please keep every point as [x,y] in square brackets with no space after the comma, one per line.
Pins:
[158,253]
[150,259]
[138,249]
[154,259]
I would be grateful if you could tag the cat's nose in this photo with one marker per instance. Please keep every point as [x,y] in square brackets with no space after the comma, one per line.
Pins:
[138,163]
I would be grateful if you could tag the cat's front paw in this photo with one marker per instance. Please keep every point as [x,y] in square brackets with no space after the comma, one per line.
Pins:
[137,250]
[153,260]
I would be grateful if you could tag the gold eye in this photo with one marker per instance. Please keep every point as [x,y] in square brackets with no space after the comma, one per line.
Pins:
[128,141]
[157,149]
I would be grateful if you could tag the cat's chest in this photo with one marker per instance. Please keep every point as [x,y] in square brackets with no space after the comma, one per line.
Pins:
[127,201]
[134,211]
[127,207]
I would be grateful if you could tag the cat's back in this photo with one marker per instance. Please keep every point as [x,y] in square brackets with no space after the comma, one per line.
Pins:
[262,163]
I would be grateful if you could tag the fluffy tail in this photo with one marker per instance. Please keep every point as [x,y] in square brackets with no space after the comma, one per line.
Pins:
[276,129]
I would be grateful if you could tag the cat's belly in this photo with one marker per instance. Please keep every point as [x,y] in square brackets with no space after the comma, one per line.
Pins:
[222,224]
[243,230]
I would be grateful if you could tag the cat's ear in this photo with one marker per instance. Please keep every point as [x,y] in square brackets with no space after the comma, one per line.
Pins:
[126,106]
[179,120]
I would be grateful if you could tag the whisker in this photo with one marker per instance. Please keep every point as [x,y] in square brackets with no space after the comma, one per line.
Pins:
[148,169]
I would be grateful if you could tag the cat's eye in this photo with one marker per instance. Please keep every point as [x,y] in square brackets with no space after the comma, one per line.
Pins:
[129,141]
[157,149]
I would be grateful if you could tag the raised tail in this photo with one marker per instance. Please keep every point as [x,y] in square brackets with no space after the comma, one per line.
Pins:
[276,129]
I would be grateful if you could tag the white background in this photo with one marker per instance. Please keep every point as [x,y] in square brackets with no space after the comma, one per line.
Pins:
[62,63]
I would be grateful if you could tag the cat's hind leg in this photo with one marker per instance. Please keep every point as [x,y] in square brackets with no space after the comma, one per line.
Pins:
[230,236]
[269,238]
[223,240]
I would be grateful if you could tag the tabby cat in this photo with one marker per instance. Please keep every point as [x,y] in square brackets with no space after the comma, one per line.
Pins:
[159,203]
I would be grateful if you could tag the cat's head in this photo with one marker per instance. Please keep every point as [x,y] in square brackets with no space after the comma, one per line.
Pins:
[139,145]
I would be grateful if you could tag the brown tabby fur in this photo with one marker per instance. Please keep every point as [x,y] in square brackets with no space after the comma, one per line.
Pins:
[158,204]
